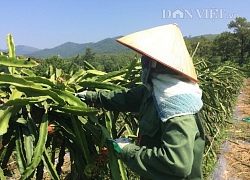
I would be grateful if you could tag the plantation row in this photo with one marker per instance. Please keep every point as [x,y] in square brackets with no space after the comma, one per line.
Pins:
[41,119]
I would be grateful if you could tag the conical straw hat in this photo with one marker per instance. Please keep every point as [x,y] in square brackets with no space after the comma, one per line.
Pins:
[164,44]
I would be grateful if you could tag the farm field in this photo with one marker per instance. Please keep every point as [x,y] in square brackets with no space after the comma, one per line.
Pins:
[46,132]
[234,160]
[235,153]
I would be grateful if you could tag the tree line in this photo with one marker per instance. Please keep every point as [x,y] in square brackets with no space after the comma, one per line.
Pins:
[232,45]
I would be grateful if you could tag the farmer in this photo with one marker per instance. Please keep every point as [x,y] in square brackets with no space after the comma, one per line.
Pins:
[171,139]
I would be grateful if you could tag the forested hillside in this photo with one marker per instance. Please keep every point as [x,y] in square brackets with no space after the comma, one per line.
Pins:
[108,55]
[69,49]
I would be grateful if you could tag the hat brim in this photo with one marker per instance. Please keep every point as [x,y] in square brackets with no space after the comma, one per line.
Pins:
[164,44]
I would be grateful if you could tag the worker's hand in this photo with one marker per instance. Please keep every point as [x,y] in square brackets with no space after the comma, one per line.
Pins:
[81,95]
[119,143]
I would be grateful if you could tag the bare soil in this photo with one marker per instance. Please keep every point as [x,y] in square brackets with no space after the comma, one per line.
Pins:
[235,154]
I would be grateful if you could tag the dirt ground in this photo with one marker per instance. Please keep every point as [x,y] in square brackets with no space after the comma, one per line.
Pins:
[235,153]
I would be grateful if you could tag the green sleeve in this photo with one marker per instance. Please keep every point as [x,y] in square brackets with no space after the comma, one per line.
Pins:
[175,156]
[118,100]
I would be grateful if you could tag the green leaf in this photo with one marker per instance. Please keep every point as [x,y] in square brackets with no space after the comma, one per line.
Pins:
[40,147]
[122,170]
[80,111]
[21,120]
[2,174]
[18,81]
[41,81]
[9,150]
[100,85]
[25,101]
[14,62]
[7,112]
[5,115]
[20,158]
[66,130]
[28,72]
[28,144]
[113,161]
[30,91]
[49,165]
[95,72]
[131,68]
[11,46]
[76,76]
[81,139]
[94,129]
[69,98]
[114,75]
[88,66]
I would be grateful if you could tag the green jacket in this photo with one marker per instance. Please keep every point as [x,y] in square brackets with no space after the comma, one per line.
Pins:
[169,150]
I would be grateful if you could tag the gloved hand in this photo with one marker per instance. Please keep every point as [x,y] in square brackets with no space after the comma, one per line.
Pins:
[119,143]
[81,95]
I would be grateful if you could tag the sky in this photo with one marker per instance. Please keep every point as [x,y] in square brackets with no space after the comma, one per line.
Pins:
[50,23]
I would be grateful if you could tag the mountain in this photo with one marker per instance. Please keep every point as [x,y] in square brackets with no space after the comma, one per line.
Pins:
[23,50]
[69,49]
[207,36]
[109,45]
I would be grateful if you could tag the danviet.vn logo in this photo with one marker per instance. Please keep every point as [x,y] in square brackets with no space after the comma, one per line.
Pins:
[206,13]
